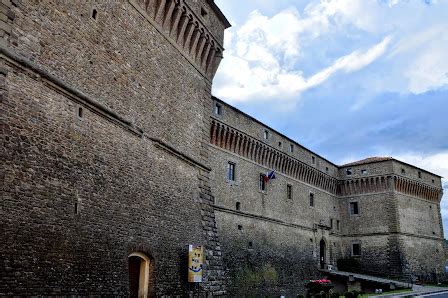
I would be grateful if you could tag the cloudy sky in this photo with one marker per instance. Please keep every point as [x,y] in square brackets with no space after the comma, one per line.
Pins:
[347,79]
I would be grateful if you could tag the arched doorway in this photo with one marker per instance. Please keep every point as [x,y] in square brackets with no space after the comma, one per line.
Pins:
[139,271]
[322,257]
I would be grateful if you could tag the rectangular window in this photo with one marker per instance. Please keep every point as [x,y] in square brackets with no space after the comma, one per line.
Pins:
[218,109]
[354,208]
[289,191]
[348,171]
[331,223]
[231,171]
[403,171]
[364,172]
[262,182]
[338,225]
[313,160]
[291,148]
[356,249]
[326,170]
[311,199]
[279,144]
[419,174]
[266,134]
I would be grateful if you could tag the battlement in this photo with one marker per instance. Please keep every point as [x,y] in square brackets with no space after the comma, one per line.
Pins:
[187,31]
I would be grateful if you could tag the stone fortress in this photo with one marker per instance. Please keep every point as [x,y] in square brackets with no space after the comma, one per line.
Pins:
[116,157]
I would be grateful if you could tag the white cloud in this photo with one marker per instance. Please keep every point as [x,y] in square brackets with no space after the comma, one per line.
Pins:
[265,55]
[255,68]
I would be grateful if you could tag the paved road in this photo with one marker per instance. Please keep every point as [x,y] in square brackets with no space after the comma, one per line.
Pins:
[435,295]
[418,295]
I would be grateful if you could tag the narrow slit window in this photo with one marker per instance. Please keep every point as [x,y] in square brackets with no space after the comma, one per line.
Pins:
[231,171]
[94,13]
[291,148]
[218,109]
[289,191]
[238,206]
[313,159]
[262,182]
[311,199]
[80,112]
[419,174]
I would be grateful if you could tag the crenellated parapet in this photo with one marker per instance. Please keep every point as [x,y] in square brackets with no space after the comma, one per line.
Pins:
[364,185]
[417,189]
[384,183]
[240,143]
[233,140]
[179,23]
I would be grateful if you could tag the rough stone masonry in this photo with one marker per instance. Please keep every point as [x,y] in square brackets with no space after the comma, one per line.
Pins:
[114,153]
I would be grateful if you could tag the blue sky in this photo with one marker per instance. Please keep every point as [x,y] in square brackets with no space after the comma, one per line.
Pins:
[347,79]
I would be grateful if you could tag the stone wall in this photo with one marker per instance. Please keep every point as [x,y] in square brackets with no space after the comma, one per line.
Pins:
[94,167]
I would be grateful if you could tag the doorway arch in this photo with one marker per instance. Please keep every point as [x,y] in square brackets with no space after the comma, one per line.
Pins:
[139,275]
[322,255]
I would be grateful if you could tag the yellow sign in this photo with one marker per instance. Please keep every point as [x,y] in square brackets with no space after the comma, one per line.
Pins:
[195,263]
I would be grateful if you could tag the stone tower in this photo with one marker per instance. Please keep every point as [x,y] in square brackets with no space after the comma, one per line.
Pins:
[104,121]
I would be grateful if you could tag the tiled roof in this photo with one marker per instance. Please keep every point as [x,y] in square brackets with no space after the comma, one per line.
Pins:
[368,160]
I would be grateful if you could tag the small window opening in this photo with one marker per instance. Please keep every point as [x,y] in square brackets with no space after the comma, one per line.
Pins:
[218,109]
[240,227]
[262,183]
[289,191]
[266,134]
[250,244]
[364,171]
[311,240]
[331,223]
[231,171]
[291,148]
[238,206]
[76,208]
[430,207]
[403,171]
[348,171]
[280,144]
[203,12]
[356,249]
[419,174]
[326,170]
[311,199]
[433,181]
[354,208]
[80,112]
[94,12]
[313,159]
[338,226]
